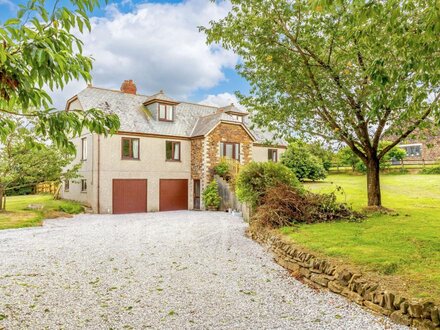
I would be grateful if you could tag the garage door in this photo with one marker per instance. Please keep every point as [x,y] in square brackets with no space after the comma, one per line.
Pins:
[173,194]
[129,196]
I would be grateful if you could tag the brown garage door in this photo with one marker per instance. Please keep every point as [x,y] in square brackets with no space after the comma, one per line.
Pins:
[129,196]
[173,194]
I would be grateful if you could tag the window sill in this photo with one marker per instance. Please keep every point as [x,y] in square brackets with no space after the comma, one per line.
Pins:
[130,158]
[84,192]
[173,161]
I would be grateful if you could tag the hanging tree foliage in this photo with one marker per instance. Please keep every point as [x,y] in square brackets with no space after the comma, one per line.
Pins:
[352,71]
[38,51]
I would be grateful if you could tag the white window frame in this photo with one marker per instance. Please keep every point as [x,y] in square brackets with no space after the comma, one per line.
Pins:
[404,146]
[84,148]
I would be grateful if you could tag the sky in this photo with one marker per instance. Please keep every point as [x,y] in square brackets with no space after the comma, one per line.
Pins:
[158,45]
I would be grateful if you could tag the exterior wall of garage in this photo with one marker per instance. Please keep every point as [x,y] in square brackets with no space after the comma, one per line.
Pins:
[196,163]
[87,172]
[152,165]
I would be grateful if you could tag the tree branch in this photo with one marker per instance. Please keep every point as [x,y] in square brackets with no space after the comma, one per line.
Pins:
[410,129]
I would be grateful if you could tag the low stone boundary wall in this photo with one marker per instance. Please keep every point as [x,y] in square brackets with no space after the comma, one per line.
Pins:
[320,273]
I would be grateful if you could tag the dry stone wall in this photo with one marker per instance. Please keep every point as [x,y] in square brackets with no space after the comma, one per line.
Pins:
[320,273]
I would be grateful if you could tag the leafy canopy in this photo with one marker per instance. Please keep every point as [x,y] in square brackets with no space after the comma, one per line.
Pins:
[352,71]
[21,166]
[39,50]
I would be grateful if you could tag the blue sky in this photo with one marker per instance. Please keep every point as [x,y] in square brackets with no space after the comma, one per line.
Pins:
[157,44]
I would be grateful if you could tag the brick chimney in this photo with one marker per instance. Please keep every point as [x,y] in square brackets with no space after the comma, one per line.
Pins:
[129,87]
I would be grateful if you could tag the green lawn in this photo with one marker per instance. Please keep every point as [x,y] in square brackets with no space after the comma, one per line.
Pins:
[404,248]
[17,216]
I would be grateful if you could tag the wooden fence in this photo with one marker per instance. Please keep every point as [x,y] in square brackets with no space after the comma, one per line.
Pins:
[405,163]
[47,187]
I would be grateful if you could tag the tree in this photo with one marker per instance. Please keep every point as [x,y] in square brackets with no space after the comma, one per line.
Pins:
[302,162]
[350,71]
[24,166]
[39,51]
[324,153]
[349,158]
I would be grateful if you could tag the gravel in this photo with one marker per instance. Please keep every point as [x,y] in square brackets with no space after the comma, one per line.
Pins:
[171,270]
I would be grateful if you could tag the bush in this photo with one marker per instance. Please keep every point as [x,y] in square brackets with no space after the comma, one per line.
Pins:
[210,196]
[71,208]
[431,170]
[255,178]
[303,163]
[285,205]
[222,169]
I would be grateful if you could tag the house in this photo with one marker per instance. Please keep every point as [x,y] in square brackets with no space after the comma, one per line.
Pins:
[422,146]
[164,153]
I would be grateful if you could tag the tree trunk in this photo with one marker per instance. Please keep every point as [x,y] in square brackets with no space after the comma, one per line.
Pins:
[2,205]
[373,183]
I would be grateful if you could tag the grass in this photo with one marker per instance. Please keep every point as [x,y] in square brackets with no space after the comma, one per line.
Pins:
[402,248]
[18,216]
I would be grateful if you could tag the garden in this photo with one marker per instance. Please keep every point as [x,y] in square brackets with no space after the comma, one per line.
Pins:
[31,210]
[396,245]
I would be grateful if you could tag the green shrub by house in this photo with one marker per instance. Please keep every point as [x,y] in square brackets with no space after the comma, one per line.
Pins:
[210,196]
[303,163]
[222,169]
[255,178]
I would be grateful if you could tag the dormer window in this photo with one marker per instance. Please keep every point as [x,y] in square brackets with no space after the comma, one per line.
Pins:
[237,117]
[166,112]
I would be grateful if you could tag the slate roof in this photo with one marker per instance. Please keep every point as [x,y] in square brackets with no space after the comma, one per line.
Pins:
[233,109]
[190,119]
[205,124]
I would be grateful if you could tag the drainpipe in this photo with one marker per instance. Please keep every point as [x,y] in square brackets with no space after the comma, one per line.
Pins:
[98,173]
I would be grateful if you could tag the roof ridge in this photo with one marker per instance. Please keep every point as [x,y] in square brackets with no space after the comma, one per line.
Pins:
[115,90]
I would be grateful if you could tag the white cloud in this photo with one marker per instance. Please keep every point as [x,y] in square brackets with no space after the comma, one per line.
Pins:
[221,100]
[158,46]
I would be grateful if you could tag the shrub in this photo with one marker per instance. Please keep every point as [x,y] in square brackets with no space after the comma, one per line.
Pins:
[210,196]
[222,169]
[71,208]
[302,162]
[285,205]
[255,178]
[431,170]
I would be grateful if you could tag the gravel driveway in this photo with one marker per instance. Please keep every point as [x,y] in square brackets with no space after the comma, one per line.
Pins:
[172,270]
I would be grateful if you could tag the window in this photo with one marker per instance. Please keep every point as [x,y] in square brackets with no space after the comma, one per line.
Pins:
[272,155]
[84,149]
[413,150]
[83,185]
[130,148]
[66,185]
[166,112]
[230,150]
[173,151]
[237,117]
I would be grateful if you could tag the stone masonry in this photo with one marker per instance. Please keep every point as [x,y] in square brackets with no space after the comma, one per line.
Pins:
[320,273]
[227,133]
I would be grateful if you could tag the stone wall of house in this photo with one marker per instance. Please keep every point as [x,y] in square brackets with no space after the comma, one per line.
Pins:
[197,158]
[430,141]
[320,273]
[227,133]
